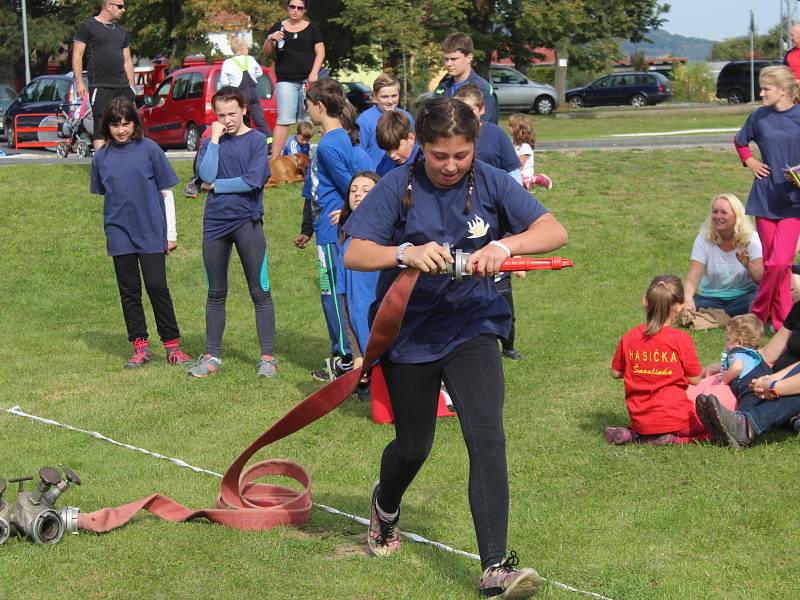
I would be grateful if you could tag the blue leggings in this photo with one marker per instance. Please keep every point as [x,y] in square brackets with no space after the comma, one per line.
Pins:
[329,263]
[252,249]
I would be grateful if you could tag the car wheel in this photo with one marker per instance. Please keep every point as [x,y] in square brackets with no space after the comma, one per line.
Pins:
[192,138]
[735,97]
[544,105]
[638,101]
[576,102]
[10,141]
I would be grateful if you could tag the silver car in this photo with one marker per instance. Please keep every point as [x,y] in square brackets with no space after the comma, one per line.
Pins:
[515,92]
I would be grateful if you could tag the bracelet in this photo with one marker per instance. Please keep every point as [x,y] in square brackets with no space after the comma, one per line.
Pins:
[501,245]
[772,391]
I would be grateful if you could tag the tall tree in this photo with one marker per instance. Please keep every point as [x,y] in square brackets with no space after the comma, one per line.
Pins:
[738,48]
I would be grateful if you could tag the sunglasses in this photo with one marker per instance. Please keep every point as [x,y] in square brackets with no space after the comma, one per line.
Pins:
[119,6]
[295,7]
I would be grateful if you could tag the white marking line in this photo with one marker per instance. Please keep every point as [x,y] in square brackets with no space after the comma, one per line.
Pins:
[15,410]
[682,132]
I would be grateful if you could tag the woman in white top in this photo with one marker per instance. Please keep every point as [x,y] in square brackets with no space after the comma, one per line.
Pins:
[242,71]
[726,263]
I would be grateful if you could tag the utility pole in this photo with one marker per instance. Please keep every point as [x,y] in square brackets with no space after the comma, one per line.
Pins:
[752,51]
[25,44]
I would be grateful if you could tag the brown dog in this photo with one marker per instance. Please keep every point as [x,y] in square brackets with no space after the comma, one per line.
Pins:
[287,169]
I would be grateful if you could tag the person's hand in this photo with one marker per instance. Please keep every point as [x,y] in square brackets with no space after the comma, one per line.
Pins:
[486,261]
[760,387]
[217,131]
[206,187]
[520,274]
[171,245]
[744,256]
[301,240]
[688,304]
[758,168]
[334,216]
[430,258]
[275,36]
[80,88]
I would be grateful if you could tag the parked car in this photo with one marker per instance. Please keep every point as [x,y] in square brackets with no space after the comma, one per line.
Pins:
[733,81]
[180,109]
[515,92]
[636,89]
[46,94]
[7,95]
[358,94]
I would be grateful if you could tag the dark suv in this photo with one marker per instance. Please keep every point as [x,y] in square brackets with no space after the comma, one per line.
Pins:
[636,89]
[733,82]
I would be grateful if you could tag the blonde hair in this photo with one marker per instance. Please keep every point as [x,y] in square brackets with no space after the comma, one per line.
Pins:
[745,330]
[238,44]
[385,80]
[521,129]
[779,76]
[742,229]
[664,292]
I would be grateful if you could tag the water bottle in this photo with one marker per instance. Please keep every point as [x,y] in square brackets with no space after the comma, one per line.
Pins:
[282,41]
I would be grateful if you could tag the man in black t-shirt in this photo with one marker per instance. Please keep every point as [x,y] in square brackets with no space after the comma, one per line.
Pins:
[109,65]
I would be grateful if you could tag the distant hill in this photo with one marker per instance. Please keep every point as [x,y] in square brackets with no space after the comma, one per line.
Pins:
[668,44]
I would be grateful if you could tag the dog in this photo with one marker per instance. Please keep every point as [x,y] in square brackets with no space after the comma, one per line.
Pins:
[288,169]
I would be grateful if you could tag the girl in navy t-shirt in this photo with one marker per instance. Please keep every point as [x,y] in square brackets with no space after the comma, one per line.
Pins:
[135,177]
[450,328]
[233,165]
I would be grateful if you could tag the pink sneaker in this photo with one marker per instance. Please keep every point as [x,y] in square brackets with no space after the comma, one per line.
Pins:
[620,435]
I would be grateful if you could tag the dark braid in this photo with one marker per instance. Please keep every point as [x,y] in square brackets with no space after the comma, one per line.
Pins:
[470,185]
[408,201]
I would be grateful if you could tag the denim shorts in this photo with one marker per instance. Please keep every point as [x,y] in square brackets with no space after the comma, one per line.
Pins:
[291,102]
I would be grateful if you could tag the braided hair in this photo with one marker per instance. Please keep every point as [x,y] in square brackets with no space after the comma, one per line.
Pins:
[444,117]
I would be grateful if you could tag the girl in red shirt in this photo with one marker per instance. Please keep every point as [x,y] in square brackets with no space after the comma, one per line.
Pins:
[657,363]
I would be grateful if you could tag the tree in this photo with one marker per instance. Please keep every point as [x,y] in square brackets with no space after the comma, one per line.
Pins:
[738,48]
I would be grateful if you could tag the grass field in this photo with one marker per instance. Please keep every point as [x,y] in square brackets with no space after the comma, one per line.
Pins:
[625,522]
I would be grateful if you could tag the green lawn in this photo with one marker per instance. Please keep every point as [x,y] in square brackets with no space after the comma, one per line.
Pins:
[626,522]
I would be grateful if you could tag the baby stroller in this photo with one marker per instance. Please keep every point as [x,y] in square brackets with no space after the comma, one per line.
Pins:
[76,128]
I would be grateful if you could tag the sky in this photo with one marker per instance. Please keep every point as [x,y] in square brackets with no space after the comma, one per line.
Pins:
[720,19]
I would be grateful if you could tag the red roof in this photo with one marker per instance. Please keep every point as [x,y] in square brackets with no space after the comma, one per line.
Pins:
[549,58]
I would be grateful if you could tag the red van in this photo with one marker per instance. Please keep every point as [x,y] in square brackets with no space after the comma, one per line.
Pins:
[180,109]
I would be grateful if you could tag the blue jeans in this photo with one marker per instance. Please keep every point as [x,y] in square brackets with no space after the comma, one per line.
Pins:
[733,307]
[764,414]
[291,102]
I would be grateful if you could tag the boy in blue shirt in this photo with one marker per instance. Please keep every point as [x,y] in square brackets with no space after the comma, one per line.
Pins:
[300,142]
[397,140]
[386,90]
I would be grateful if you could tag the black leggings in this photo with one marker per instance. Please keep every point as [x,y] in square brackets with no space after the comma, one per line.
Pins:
[129,282]
[473,374]
[252,249]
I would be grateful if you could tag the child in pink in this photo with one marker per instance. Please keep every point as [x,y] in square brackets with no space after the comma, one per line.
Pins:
[657,363]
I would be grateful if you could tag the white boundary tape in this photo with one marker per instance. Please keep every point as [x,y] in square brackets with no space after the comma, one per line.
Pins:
[15,410]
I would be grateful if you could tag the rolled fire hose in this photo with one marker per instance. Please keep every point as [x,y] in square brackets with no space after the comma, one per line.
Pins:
[244,504]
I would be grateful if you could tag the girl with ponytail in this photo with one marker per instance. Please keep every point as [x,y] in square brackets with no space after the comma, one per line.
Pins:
[450,328]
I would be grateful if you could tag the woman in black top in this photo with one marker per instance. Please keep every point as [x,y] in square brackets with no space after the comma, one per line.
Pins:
[299,52]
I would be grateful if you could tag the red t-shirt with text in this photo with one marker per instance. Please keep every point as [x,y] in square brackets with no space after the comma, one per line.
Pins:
[655,372]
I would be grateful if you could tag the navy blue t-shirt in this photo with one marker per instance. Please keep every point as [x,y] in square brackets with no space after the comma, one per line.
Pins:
[242,156]
[387,164]
[130,176]
[442,313]
[493,147]
[367,129]
[777,134]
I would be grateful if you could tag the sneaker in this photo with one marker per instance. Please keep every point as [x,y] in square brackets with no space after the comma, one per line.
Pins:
[659,439]
[704,411]
[731,427]
[512,354]
[176,356]
[205,366]
[141,354]
[505,581]
[190,190]
[362,392]
[267,367]
[794,424]
[384,537]
[619,435]
[334,367]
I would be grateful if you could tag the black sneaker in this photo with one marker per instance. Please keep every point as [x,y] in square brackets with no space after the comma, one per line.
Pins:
[362,392]
[794,423]
[335,367]
[512,353]
[704,410]
[506,581]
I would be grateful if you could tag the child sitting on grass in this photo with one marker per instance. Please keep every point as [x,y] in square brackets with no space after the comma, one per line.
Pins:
[657,363]
[524,142]
[300,142]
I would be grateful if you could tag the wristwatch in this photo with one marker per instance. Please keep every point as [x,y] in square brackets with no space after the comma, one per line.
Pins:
[401,249]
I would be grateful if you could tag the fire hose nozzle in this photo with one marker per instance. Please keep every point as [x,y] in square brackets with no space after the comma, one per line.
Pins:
[70,516]
[457,270]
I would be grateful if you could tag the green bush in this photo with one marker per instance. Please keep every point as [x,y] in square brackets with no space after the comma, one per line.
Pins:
[542,74]
[693,82]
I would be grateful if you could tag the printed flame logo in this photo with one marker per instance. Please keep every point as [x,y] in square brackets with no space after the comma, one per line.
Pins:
[477,228]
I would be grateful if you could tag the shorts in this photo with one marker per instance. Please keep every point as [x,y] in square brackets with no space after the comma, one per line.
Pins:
[99,97]
[291,102]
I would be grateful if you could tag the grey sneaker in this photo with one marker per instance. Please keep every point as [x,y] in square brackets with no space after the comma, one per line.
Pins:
[506,581]
[731,427]
[384,537]
[141,354]
[334,367]
[205,366]
[267,368]
[704,409]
